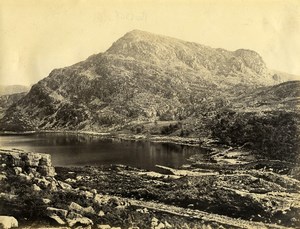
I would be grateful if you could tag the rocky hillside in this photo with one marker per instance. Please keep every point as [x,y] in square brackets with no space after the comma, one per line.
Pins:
[8,100]
[141,77]
[284,96]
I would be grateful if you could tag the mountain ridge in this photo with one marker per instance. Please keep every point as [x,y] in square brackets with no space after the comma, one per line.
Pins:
[136,79]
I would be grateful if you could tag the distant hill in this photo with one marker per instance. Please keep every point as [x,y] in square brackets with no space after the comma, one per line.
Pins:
[141,77]
[283,76]
[8,100]
[12,89]
[284,96]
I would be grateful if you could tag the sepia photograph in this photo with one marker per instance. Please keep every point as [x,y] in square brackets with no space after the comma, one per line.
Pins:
[149,114]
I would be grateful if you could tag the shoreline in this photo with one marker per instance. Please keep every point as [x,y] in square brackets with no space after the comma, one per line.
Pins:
[189,141]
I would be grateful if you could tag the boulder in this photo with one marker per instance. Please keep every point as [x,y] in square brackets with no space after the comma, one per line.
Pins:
[101,213]
[46,201]
[154,222]
[160,226]
[36,188]
[3,177]
[57,214]
[17,170]
[77,208]
[103,226]
[70,180]
[7,222]
[64,185]
[168,225]
[60,212]
[57,219]
[84,221]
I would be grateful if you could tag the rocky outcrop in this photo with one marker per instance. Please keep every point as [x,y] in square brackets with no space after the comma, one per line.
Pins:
[26,164]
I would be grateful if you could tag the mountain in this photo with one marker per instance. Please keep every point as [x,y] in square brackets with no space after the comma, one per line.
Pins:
[12,89]
[8,100]
[141,77]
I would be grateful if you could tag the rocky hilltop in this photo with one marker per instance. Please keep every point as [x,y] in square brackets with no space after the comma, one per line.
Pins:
[141,77]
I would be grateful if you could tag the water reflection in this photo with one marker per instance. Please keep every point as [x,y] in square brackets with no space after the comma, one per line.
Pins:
[80,150]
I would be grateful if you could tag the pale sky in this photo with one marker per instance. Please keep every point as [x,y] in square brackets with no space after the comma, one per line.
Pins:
[37,36]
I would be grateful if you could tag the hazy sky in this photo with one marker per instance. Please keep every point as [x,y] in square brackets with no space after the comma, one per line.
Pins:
[37,36]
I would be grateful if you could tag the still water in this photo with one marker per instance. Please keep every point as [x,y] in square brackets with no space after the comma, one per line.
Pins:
[81,150]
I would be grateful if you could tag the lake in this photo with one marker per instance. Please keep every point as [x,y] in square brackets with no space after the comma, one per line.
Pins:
[80,150]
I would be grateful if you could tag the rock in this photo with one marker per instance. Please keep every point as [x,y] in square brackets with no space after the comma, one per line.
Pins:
[36,188]
[100,199]
[101,213]
[46,160]
[83,227]
[79,220]
[160,226]
[31,176]
[116,228]
[57,219]
[25,177]
[31,159]
[60,212]
[46,201]
[69,180]
[77,208]
[103,226]
[42,182]
[79,178]
[33,163]
[144,211]
[8,196]
[2,177]
[17,170]
[46,171]
[87,194]
[168,225]
[89,209]
[64,185]
[7,222]
[154,222]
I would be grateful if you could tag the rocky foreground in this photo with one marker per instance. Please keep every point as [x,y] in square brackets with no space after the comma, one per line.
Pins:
[221,193]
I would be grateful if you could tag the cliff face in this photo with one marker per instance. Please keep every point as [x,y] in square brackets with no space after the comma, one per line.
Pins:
[141,77]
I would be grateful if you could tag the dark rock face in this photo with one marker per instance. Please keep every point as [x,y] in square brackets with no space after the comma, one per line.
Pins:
[141,77]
